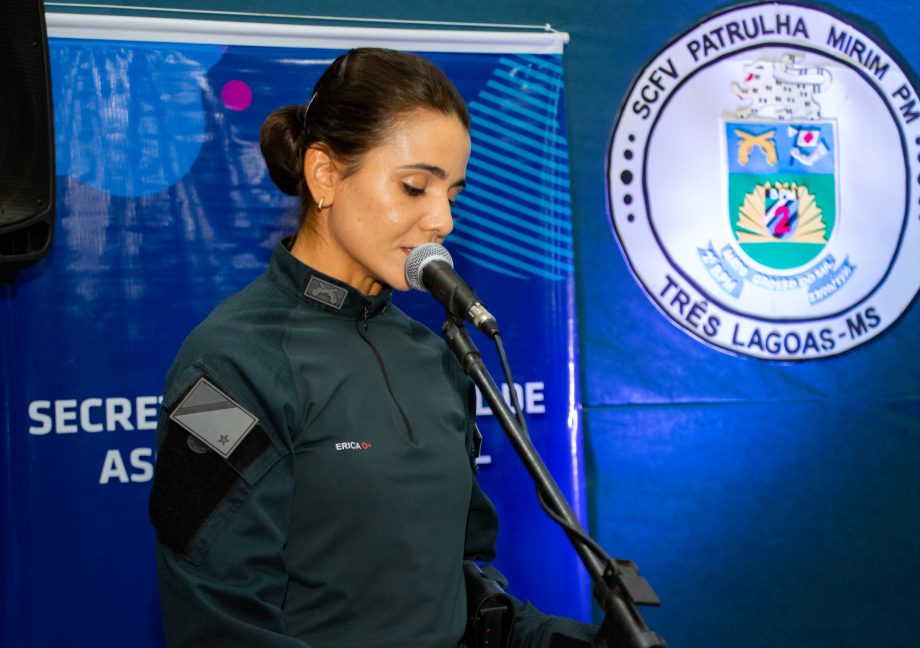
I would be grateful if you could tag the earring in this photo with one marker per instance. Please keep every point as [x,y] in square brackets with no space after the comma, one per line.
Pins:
[322,200]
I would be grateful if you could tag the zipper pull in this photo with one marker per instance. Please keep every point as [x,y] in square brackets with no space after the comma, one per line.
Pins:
[366,310]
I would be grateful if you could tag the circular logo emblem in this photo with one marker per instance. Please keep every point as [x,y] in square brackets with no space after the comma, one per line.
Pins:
[763,179]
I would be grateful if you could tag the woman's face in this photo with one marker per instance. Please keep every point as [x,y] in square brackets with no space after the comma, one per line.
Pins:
[400,197]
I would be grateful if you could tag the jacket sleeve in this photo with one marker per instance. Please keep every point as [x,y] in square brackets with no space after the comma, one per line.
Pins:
[532,628]
[221,522]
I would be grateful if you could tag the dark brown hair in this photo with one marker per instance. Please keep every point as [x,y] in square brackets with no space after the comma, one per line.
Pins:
[355,103]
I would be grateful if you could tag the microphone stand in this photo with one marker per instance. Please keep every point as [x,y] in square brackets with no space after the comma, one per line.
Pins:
[618,587]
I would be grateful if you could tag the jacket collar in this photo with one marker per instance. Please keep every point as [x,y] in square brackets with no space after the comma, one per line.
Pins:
[320,290]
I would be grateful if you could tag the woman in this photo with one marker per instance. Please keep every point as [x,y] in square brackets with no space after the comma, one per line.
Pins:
[315,480]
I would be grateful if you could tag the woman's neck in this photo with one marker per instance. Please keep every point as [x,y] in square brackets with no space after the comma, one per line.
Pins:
[313,249]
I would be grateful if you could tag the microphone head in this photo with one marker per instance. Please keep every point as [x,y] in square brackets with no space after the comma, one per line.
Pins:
[421,256]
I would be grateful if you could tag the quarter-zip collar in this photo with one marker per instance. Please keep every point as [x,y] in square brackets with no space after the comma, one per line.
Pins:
[319,290]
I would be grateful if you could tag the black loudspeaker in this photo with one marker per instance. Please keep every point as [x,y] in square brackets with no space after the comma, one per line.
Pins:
[26,136]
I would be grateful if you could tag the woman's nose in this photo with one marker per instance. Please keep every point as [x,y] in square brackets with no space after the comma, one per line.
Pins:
[440,220]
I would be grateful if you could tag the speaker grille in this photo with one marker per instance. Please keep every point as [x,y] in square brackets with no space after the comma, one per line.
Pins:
[26,131]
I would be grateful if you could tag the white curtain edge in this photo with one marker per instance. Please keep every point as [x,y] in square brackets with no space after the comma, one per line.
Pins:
[214,32]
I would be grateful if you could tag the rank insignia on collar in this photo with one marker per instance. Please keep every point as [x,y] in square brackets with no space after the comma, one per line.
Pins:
[325,292]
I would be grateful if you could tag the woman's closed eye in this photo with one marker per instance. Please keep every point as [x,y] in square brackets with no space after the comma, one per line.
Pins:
[412,190]
[415,191]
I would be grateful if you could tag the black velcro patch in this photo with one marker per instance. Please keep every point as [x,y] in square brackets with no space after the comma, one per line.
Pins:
[188,485]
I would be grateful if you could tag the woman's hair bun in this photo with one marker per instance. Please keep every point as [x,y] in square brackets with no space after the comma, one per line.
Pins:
[279,140]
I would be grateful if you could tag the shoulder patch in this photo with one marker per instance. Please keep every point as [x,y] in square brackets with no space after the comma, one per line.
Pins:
[213,418]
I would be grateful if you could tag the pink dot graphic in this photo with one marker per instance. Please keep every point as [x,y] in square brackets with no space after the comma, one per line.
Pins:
[236,95]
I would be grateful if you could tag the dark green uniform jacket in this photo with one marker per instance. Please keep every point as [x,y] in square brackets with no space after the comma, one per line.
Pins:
[314,481]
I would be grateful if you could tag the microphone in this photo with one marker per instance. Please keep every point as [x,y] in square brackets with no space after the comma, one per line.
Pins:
[429,267]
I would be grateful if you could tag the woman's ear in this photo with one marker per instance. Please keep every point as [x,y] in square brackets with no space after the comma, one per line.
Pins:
[322,174]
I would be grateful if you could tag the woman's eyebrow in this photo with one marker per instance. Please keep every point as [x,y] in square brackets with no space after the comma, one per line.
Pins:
[430,168]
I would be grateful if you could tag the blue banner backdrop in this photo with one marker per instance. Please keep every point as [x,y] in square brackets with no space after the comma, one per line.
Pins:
[164,208]
[769,503]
